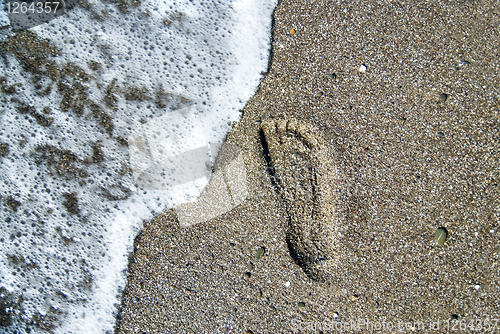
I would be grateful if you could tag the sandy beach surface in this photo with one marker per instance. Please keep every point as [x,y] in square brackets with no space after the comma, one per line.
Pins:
[377,124]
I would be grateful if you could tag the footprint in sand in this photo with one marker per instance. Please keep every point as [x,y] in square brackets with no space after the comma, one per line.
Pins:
[305,181]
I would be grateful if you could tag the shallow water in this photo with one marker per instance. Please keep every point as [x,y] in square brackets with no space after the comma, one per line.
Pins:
[70,201]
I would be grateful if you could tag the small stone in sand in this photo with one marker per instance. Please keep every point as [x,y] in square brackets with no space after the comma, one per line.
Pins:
[301,304]
[247,275]
[250,267]
[440,236]
[362,68]
[260,253]
[443,97]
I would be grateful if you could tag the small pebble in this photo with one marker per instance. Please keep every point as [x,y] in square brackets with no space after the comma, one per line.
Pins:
[443,97]
[292,31]
[301,304]
[259,294]
[477,287]
[440,236]
[454,316]
[335,315]
[441,134]
[333,76]
[247,275]
[362,68]
[250,267]
[498,250]
[260,253]
[287,284]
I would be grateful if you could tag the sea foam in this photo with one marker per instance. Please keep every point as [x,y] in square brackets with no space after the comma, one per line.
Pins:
[71,205]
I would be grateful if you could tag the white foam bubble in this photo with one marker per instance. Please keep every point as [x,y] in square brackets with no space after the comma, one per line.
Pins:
[65,250]
[4,18]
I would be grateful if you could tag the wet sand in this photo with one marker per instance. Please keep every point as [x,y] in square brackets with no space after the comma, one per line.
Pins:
[414,141]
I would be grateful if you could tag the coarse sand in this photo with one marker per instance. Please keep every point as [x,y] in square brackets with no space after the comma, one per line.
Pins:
[404,98]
